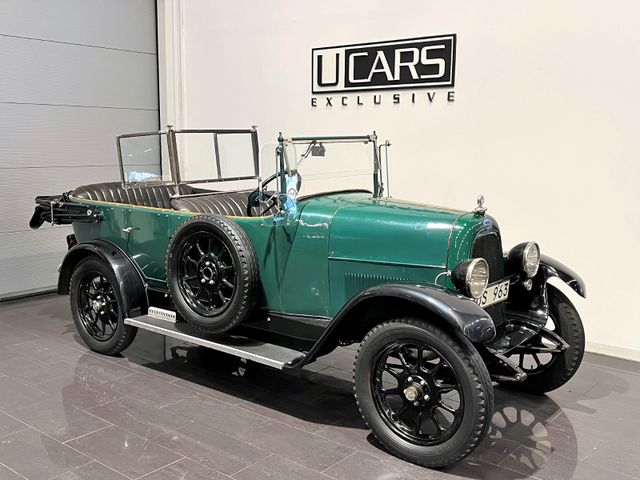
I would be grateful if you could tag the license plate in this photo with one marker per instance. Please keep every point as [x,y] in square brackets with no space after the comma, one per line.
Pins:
[494,293]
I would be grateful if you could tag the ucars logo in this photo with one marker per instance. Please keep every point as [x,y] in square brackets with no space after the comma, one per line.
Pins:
[411,63]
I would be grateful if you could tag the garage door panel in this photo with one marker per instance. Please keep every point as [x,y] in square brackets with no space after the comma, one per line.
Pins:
[32,258]
[62,74]
[50,135]
[31,182]
[121,24]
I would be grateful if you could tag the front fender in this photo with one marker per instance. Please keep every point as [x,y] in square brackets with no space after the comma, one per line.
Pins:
[534,304]
[550,267]
[459,312]
[129,280]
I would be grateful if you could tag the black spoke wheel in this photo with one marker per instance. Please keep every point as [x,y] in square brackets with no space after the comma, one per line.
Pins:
[97,307]
[417,392]
[553,356]
[99,310]
[206,274]
[212,273]
[424,392]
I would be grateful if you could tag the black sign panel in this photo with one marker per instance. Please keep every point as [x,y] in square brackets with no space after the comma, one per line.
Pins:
[412,63]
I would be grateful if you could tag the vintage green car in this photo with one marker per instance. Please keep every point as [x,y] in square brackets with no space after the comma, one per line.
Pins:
[280,273]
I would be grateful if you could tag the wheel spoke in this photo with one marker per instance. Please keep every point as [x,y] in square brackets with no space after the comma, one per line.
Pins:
[537,360]
[445,387]
[435,421]
[418,425]
[436,369]
[403,409]
[446,407]
[391,391]
[391,372]
[227,283]
[402,359]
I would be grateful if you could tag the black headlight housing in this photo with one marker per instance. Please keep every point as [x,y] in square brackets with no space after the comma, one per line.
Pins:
[524,258]
[471,277]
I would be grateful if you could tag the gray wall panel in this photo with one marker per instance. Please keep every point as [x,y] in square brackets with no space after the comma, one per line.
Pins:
[63,74]
[26,183]
[74,74]
[125,24]
[43,135]
[29,260]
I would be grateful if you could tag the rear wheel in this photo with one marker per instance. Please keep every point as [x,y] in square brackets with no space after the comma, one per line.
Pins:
[96,306]
[424,392]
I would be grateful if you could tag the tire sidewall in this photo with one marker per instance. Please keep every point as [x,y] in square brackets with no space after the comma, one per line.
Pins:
[85,267]
[365,363]
[212,226]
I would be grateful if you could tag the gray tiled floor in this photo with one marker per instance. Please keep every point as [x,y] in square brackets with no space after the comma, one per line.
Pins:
[164,411]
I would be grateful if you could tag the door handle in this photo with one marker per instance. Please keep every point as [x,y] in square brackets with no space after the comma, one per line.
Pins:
[128,229]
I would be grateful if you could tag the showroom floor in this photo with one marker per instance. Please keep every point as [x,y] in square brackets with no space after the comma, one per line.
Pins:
[165,411]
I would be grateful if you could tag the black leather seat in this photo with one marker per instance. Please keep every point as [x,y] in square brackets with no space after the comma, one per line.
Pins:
[160,196]
[153,196]
[228,204]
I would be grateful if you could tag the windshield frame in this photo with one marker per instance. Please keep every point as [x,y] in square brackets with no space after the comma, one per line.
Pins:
[284,164]
[174,161]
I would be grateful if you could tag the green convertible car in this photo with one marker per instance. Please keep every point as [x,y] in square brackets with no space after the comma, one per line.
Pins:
[196,244]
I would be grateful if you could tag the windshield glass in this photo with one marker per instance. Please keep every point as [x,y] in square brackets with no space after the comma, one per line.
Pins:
[188,157]
[326,164]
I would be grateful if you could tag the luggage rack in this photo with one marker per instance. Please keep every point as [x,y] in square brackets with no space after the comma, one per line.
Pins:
[163,321]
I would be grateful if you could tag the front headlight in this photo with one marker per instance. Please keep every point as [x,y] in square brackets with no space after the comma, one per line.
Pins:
[525,256]
[471,277]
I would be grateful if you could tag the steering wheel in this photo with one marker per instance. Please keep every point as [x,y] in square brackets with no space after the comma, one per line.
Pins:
[255,199]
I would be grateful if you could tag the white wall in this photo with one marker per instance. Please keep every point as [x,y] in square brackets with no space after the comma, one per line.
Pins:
[73,75]
[544,123]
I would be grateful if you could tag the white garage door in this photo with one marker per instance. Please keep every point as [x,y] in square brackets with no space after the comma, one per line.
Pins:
[73,74]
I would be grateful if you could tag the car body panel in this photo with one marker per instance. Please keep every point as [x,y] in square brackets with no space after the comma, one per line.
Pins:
[349,240]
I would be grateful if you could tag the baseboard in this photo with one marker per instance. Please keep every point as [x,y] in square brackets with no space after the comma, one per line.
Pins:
[613,351]
[27,293]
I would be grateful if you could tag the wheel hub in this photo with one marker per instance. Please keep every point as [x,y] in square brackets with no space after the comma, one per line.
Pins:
[413,392]
[208,272]
[98,304]
[417,390]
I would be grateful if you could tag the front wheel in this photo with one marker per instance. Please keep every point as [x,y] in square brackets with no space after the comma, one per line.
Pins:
[425,393]
[546,364]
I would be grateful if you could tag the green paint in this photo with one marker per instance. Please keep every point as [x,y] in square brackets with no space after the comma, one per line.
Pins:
[314,260]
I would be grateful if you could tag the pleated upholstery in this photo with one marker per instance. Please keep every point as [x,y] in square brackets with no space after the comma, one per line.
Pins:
[227,204]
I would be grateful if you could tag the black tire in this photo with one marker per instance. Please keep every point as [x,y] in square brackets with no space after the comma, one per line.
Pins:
[212,273]
[102,328]
[462,364]
[566,323]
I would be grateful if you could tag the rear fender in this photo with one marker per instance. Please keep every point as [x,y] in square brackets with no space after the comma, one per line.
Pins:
[132,287]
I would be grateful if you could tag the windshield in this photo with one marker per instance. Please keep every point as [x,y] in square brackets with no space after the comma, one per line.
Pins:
[324,164]
[178,157]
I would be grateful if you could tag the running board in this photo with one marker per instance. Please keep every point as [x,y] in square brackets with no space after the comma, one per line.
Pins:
[164,322]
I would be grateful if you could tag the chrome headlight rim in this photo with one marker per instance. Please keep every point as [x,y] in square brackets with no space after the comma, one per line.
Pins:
[531,268]
[463,273]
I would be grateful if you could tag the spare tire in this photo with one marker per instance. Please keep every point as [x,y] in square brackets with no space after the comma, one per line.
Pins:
[212,273]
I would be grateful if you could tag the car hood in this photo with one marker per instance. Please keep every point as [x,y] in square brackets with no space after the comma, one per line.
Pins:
[388,230]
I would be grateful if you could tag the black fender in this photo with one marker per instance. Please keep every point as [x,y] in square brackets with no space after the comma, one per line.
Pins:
[132,287]
[534,304]
[549,267]
[460,312]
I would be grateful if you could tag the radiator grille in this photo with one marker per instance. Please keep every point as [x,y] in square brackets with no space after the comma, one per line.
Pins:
[488,245]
